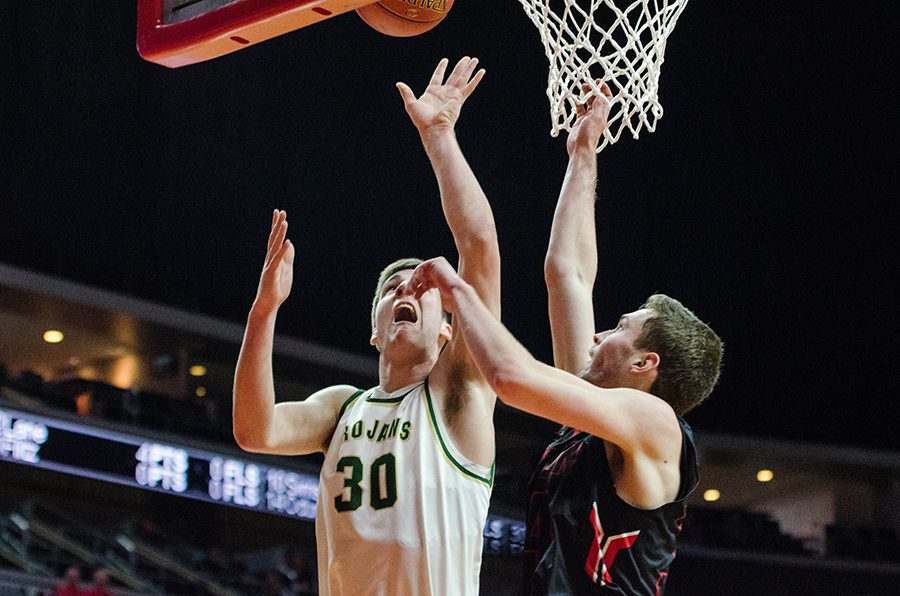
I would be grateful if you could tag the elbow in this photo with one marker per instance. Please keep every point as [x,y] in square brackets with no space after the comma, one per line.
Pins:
[243,439]
[559,268]
[506,379]
[554,269]
[480,241]
[247,439]
[567,273]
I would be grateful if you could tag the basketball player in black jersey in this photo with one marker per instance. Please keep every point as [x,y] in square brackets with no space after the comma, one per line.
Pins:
[608,497]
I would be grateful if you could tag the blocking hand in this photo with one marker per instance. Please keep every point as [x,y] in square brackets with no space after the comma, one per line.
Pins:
[591,120]
[435,273]
[442,101]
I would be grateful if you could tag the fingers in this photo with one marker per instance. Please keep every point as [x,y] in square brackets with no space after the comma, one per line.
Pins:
[406,93]
[277,235]
[462,73]
[457,74]
[277,217]
[438,77]
[285,253]
[466,66]
[278,241]
[416,282]
[422,279]
[587,92]
[605,90]
[468,89]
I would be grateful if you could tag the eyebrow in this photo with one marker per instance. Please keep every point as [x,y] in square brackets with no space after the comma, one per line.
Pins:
[623,319]
[389,281]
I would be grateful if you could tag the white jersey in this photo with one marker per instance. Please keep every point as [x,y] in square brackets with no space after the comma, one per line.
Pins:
[400,510]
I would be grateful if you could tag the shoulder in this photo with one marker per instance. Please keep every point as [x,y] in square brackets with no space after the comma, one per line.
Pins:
[652,427]
[334,398]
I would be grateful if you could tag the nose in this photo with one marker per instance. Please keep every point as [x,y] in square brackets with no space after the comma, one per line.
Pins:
[400,289]
[598,337]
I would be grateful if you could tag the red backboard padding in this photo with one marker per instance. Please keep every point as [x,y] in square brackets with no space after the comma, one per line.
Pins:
[222,29]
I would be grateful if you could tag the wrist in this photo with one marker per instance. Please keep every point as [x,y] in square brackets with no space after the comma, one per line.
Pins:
[462,293]
[435,136]
[583,148]
[262,312]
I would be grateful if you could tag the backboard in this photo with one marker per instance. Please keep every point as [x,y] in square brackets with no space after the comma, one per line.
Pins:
[180,32]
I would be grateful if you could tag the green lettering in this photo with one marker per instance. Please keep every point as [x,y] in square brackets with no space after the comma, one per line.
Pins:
[357,429]
[384,482]
[371,433]
[404,431]
[351,497]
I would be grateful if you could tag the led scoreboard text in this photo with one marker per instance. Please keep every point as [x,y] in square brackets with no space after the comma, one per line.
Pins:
[111,456]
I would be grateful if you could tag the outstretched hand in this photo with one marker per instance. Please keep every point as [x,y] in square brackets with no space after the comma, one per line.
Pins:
[435,273]
[591,120]
[440,104]
[278,269]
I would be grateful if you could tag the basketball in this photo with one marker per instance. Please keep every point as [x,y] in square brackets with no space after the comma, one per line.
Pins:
[404,18]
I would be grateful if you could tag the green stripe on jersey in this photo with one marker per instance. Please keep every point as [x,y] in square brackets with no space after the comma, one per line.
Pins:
[437,431]
[348,402]
[389,400]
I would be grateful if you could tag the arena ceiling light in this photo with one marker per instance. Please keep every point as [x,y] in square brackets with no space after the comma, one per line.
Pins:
[53,336]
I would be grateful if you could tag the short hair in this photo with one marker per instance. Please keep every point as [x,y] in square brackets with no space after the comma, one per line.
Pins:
[690,353]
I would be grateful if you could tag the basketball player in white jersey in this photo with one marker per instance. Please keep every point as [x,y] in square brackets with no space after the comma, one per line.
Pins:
[408,468]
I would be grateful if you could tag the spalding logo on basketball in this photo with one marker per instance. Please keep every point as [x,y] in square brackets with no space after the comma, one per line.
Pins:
[404,18]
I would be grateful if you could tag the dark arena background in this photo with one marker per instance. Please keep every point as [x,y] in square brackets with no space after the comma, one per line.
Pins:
[135,202]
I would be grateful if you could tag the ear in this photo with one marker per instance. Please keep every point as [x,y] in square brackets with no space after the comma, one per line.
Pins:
[446,331]
[646,363]
[373,341]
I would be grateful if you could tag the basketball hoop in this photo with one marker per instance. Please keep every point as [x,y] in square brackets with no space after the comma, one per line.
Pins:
[595,39]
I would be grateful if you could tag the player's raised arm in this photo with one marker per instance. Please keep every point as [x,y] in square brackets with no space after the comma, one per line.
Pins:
[627,417]
[570,267]
[290,428]
[465,206]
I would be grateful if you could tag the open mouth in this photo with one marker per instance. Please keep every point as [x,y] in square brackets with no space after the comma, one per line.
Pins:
[404,312]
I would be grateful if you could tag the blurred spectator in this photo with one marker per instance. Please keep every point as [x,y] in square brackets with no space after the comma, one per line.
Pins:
[71,583]
[276,584]
[83,403]
[100,587]
[297,569]
[238,571]
[215,563]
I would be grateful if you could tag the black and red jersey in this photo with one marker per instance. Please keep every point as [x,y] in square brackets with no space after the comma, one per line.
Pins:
[581,538]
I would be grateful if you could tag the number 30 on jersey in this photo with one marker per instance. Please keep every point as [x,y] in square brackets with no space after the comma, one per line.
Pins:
[382,483]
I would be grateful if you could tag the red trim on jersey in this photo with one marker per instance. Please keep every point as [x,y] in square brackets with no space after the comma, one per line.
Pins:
[602,555]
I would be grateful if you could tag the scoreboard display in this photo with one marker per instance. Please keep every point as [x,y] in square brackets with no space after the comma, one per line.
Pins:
[146,463]
[140,462]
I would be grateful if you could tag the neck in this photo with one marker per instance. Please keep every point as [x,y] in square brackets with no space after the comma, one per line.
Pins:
[393,375]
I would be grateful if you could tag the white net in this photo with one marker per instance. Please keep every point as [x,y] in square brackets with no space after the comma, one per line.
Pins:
[621,43]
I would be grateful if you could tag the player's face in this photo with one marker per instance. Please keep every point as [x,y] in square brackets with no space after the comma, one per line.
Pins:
[613,351]
[400,317]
